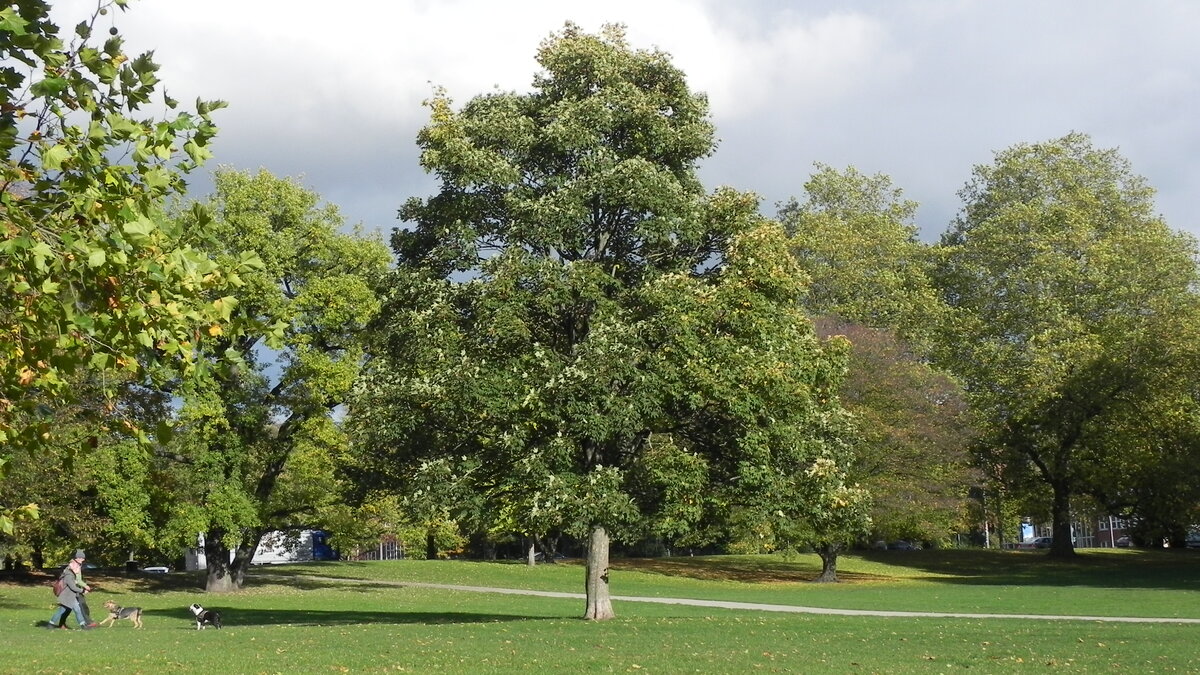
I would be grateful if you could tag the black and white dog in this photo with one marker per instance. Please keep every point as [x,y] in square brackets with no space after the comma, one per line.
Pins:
[206,617]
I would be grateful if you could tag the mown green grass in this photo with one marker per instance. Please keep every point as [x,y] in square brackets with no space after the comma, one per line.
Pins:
[288,623]
[1098,583]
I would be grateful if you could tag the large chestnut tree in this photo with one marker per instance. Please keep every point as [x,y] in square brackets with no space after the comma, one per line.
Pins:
[577,328]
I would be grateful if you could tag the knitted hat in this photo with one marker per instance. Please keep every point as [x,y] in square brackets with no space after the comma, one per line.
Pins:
[80,554]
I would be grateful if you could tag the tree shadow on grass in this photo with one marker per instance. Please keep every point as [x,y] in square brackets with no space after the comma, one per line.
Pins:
[1163,570]
[745,569]
[314,582]
[174,582]
[1178,570]
[242,617]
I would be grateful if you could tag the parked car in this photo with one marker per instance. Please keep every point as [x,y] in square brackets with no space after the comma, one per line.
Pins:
[903,545]
[1193,540]
[1124,542]
[1036,542]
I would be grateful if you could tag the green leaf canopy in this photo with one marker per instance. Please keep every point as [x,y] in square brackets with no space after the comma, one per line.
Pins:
[573,316]
[1072,305]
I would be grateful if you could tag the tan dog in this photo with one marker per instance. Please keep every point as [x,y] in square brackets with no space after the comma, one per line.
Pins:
[115,612]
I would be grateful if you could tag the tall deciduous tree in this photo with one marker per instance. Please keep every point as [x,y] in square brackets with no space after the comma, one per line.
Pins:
[92,276]
[854,235]
[576,315]
[913,435]
[1071,305]
[257,442]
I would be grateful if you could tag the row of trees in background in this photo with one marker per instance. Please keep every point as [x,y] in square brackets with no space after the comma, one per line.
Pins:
[575,336]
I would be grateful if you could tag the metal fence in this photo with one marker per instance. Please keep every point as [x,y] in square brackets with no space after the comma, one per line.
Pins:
[388,548]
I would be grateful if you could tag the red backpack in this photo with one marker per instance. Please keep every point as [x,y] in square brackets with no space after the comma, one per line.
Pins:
[59,584]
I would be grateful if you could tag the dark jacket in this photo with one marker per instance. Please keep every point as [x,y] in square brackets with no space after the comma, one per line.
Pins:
[71,591]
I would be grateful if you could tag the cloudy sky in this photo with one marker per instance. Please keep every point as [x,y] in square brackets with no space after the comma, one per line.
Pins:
[921,90]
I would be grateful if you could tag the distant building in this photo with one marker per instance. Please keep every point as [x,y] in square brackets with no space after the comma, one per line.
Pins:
[1100,532]
[275,547]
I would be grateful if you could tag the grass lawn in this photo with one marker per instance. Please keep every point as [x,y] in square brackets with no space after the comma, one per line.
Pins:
[288,623]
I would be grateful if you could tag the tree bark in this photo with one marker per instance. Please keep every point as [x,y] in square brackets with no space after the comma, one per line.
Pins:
[549,548]
[1060,513]
[829,556]
[226,575]
[220,577]
[599,603]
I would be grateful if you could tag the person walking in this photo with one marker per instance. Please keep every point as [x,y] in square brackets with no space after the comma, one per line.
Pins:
[71,595]
[87,588]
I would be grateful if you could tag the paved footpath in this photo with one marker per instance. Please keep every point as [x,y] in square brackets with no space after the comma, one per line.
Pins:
[764,607]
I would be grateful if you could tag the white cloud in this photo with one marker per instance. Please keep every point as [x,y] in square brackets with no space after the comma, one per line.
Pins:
[316,60]
[802,64]
[918,89]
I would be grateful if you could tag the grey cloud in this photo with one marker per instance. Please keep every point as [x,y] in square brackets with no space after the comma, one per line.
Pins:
[946,85]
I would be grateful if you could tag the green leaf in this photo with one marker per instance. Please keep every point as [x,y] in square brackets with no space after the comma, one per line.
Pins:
[225,306]
[198,153]
[139,229]
[50,287]
[112,46]
[145,67]
[205,107]
[164,432]
[42,250]
[123,127]
[54,156]
[97,131]
[49,87]
[250,260]
[157,177]
[142,153]
[11,22]
[96,258]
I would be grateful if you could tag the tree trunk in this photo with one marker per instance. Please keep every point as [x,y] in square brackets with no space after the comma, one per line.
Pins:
[481,546]
[829,556]
[549,547]
[1061,519]
[242,559]
[220,577]
[530,553]
[431,549]
[599,603]
[227,573]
